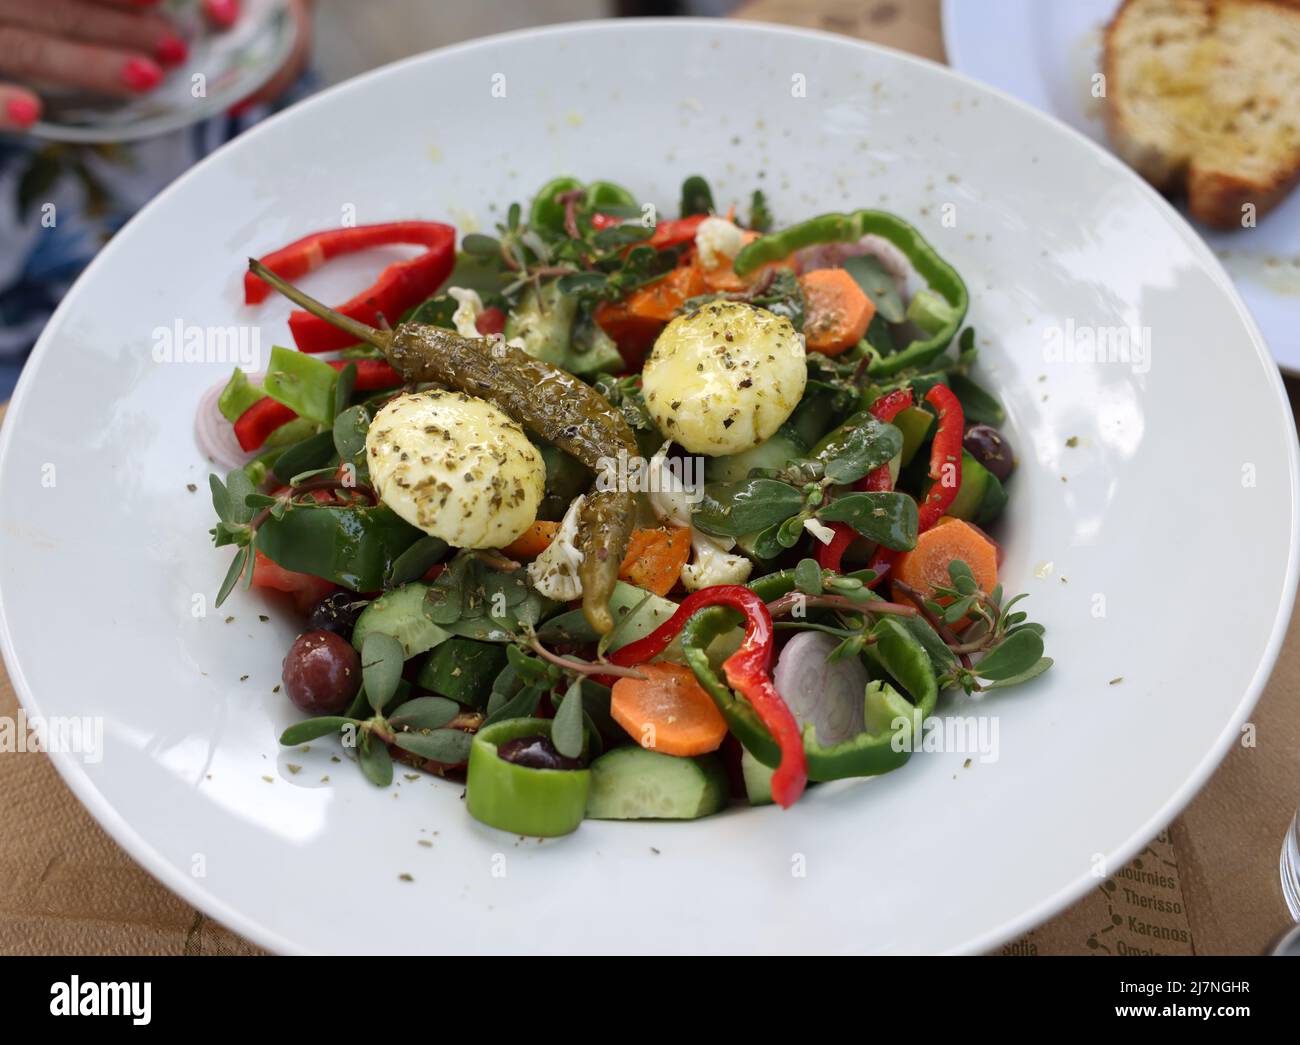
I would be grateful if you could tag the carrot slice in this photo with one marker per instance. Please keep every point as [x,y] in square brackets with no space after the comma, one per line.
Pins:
[655,558]
[926,566]
[837,311]
[533,541]
[661,299]
[669,711]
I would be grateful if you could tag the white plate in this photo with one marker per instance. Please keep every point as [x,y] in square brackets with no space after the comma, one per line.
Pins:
[103,553]
[224,67]
[1046,54]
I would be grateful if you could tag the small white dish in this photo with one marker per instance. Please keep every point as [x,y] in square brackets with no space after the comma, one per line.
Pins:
[1144,494]
[224,67]
[1047,54]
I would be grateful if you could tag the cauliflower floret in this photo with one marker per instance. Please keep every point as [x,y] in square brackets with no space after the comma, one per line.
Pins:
[713,564]
[669,497]
[672,504]
[554,573]
[469,306]
[717,238]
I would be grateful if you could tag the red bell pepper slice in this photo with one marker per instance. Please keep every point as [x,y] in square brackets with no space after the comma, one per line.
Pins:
[748,671]
[259,421]
[309,253]
[372,374]
[945,464]
[671,233]
[400,286]
[305,588]
[886,408]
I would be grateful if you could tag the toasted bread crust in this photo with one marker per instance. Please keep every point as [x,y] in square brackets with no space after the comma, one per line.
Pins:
[1229,140]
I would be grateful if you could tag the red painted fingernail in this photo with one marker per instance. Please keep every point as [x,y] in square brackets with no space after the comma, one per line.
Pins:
[224,12]
[172,50]
[23,111]
[141,75]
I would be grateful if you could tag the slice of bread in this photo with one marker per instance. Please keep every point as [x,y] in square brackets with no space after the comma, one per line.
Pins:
[1205,94]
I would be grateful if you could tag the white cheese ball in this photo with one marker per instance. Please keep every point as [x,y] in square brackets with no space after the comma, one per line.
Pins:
[457,467]
[724,378]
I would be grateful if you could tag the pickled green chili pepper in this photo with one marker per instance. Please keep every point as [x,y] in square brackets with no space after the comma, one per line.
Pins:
[554,404]
[540,803]
[945,308]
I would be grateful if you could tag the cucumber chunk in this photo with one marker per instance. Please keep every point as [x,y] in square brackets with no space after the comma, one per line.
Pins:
[631,783]
[981,497]
[785,446]
[758,779]
[462,670]
[400,613]
[647,610]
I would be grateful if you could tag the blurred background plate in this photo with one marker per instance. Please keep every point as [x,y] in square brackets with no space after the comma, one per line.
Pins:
[233,63]
[1046,55]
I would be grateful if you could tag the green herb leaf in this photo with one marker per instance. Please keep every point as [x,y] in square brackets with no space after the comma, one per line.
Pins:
[449,746]
[221,502]
[313,452]
[858,446]
[424,713]
[962,578]
[477,243]
[416,561]
[870,274]
[313,729]
[239,486]
[808,577]
[375,761]
[1032,672]
[1017,654]
[747,506]
[233,574]
[343,389]
[697,198]
[979,406]
[760,216]
[521,705]
[886,518]
[566,728]
[957,610]
[381,667]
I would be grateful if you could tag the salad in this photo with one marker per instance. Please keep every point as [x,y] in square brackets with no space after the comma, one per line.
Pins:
[622,517]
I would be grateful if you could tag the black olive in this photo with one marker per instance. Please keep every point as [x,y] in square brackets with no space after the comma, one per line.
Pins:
[990,448]
[337,613]
[321,673]
[535,753]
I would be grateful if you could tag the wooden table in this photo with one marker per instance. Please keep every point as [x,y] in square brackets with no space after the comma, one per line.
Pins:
[66,887]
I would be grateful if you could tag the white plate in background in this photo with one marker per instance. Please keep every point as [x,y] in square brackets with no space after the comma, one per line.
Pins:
[1046,52]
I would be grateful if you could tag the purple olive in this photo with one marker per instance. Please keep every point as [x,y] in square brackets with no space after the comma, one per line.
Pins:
[322,673]
[337,612]
[535,753]
[990,448]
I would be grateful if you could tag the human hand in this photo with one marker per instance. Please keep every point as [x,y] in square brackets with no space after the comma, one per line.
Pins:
[113,47]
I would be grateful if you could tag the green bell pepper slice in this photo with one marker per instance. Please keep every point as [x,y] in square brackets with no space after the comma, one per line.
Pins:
[238,395]
[303,383]
[884,746]
[354,547]
[943,306]
[541,803]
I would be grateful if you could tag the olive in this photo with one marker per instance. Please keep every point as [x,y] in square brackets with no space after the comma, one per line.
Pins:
[338,613]
[535,753]
[322,673]
[990,448]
